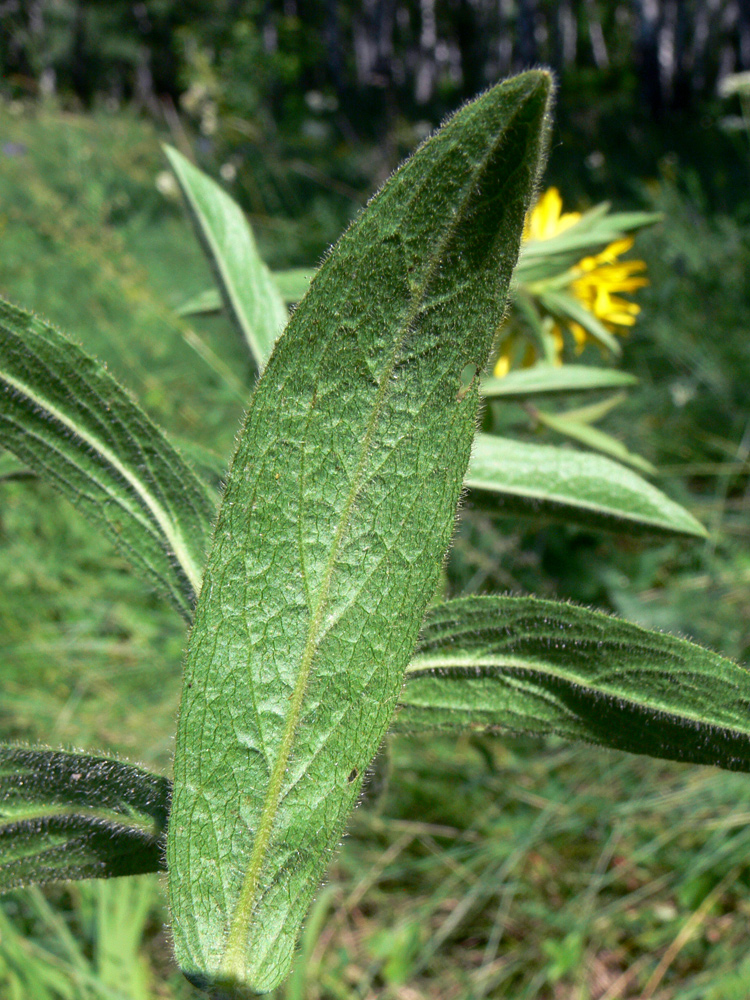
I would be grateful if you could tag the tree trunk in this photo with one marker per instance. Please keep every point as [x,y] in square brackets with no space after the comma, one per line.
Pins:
[427,67]
[647,50]
[744,34]
[526,51]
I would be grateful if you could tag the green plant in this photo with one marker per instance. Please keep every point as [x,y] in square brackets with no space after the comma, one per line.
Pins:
[319,623]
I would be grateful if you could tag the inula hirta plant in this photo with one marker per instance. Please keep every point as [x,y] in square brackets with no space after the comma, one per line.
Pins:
[311,596]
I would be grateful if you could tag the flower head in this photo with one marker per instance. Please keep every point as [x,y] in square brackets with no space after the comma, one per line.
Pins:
[597,282]
[598,285]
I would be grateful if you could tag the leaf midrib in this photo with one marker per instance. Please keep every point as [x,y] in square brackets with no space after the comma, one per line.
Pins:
[232,963]
[141,823]
[426,665]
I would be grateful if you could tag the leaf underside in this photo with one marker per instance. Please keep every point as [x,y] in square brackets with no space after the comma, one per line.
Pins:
[573,486]
[67,419]
[72,816]
[336,515]
[541,667]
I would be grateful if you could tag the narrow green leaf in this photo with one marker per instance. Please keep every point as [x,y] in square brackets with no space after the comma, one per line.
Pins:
[64,416]
[72,816]
[539,329]
[594,438]
[543,667]
[336,515]
[543,380]
[249,293]
[542,480]
[596,229]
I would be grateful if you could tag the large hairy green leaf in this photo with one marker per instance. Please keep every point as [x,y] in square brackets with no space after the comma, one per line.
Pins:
[545,481]
[66,418]
[543,667]
[249,292]
[336,515]
[71,816]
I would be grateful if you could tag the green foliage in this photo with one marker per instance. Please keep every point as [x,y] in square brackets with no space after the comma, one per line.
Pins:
[539,480]
[63,414]
[582,431]
[250,294]
[361,448]
[291,284]
[541,666]
[334,561]
[544,380]
[69,816]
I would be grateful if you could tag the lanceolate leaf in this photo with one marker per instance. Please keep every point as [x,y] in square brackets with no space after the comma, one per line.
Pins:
[70,816]
[543,380]
[590,413]
[245,283]
[544,481]
[542,667]
[542,259]
[336,515]
[65,417]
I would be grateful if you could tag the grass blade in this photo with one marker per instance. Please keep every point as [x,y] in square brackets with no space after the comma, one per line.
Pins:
[72,816]
[65,417]
[543,667]
[336,516]
[546,481]
[249,292]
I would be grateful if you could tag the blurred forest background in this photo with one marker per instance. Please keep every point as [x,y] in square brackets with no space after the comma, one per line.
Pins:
[501,867]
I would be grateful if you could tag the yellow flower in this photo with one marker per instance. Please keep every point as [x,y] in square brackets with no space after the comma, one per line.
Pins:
[598,283]
[547,219]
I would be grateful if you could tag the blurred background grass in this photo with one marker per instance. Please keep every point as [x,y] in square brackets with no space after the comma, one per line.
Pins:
[500,867]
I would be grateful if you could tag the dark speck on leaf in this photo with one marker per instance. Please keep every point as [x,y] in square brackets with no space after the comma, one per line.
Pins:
[353,774]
